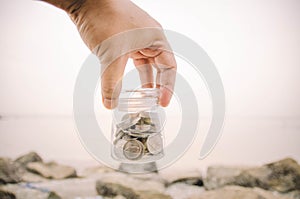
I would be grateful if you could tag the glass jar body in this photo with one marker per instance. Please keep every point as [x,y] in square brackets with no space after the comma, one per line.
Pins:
[137,128]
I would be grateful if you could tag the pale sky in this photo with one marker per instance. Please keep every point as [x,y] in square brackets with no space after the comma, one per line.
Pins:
[255,46]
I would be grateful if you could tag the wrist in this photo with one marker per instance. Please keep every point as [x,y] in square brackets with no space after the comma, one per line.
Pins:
[70,6]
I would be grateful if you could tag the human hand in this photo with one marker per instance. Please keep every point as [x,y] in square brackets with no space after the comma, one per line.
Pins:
[99,21]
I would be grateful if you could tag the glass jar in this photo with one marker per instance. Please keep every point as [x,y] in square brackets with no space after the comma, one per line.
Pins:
[137,127]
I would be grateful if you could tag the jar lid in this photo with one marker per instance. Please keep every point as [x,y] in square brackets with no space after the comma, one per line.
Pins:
[138,99]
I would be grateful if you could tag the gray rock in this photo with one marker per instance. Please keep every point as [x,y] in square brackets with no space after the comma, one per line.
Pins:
[27,158]
[14,172]
[153,195]
[293,194]
[131,186]
[282,176]
[23,192]
[71,188]
[6,195]
[99,170]
[119,197]
[184,191]
[154,177]
[219,176]
[27,176]
[237,192]
[9,172]
[108,189]
[138,168]
[191,177]
[51,170]
[135,183]
[114,189]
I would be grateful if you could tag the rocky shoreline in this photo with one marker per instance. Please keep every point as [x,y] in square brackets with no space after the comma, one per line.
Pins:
[29,177]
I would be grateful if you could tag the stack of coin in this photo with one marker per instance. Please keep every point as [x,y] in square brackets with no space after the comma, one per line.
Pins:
[138,135]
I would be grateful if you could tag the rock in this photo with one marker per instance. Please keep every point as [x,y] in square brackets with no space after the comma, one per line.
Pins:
[17,169]
[137,184]
[191,177]
[108,189]
[95,171]
[131,186]
[9,172]
[119,197]
[138,168]
[53,195]
[219,176]
[27,158]
[6,195]
[27,176]
[269,194]
[114,189]
[14,172]
[23,192]
[184,191]
[154,177]
[282,176]
[293,194]
[236,192]
[71,188]
[51,170]
[153,195]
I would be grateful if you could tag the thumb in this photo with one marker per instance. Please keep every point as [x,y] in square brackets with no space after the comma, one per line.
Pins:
[111,82]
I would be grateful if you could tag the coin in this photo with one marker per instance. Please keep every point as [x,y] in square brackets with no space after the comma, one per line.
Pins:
[133,150]
[143,128]
[118,135]
[155,143]
[128,120]
[128,137]
[147,120]
[118,148]
[130,115]
[138,135]
[151,118]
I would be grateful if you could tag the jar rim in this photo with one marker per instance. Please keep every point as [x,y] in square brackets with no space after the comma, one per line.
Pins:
[140,93]
[146,90]
[138,98]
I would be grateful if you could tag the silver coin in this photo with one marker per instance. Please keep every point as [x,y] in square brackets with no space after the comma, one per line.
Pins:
[129,121]
[133,150]
[155,143]
[119,133]
[118,136]
[130,115]
[143,128]
[144,114]
[128,137]
[118,148]
[154,118]
[139,135]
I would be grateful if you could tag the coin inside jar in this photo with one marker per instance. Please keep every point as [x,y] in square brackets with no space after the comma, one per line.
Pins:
[128,121]
[133,150]
[154,143]
[118,148]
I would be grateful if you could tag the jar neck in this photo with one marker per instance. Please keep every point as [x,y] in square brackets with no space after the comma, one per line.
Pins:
[138,100]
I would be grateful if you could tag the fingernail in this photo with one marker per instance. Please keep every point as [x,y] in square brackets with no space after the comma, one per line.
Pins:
[110,104]
[165,97]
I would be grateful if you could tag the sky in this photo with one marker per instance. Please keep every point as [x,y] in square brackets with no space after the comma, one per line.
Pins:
[254,44]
